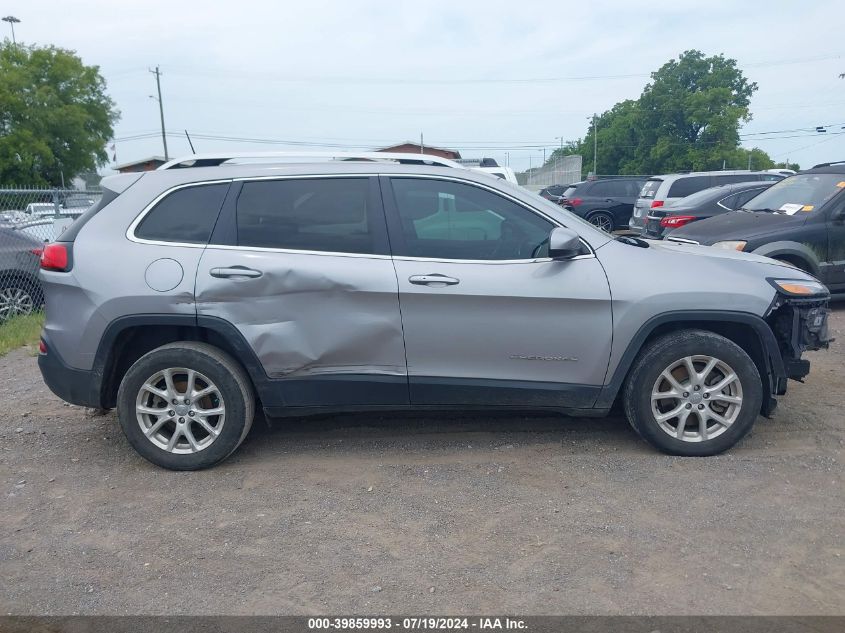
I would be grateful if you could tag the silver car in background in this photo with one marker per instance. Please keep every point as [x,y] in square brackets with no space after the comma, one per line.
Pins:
[189,296]
[663,190]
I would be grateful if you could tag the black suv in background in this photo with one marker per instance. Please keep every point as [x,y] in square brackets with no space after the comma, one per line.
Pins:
[608,204]
[553,192]
[799,220]
[700,206]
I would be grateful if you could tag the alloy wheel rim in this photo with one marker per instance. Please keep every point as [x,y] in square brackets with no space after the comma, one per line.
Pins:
[603,222]
[15,302]
[696,398]
[180,410]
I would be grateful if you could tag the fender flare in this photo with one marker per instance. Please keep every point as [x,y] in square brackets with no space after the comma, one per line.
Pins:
[795,249]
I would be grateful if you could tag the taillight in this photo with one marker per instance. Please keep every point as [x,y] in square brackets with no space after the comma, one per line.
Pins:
[574,202]
[656,203]
[42,347]
[36,251]
[674,221]
[54,257]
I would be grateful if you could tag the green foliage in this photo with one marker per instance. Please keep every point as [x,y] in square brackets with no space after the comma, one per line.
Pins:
[55,115]
[19,331]
[687,118]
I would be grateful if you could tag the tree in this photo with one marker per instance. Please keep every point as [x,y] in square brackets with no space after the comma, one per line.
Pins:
[55,115]
[687,117]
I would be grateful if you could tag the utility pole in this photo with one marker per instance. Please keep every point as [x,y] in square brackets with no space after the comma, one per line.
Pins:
[544,155]
[422,147]
[749,160]
[508,159]
[12,20]
[595,148]
[157,73]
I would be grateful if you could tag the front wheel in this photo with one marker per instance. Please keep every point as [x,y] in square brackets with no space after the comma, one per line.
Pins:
[185,406]
[693,393]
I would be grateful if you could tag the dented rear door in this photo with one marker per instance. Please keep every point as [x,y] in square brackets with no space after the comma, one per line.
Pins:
[300,266]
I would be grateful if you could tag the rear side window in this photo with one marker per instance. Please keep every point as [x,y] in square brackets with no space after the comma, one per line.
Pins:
[613,188]
[685,186]
[186,215]
[650,188]
[732,179]
[310,214]
[70,233]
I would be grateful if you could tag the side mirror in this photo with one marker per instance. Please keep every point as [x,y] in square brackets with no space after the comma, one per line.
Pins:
[564,243]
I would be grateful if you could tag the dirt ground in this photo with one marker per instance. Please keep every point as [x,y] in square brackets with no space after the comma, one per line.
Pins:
[421,514]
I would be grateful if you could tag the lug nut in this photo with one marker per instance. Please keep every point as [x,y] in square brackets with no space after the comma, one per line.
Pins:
[191,413]
[686,394]
[701,406]
[689,406]
[696,387]
[173,401]
[706,395]
[171,413]
[187,401]
[182,420]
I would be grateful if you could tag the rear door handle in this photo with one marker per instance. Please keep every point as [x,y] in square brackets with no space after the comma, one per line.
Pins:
[234,271]
[434,279]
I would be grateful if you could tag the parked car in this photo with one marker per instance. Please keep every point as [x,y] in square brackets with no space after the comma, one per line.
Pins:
[606,204]
[43,230]
[661,191]
[701,205]
[553,193]
[355,285]
[799,221]
[20,290]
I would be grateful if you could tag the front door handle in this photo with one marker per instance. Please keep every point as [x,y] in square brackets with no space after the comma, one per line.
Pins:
[434,279]
[234,271]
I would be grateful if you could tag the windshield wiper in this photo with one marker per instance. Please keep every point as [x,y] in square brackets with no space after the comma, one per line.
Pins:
[632,241]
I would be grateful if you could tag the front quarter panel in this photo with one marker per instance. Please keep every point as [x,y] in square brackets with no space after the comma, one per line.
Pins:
[648,282]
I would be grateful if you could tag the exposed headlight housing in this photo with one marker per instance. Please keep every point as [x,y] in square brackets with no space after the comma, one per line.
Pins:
[733,245]
[800,287]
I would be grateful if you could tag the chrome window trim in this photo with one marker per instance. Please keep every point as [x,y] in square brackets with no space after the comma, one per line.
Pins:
[130,232]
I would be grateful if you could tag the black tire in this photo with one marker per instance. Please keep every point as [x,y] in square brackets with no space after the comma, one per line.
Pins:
[659,355]
[221,369]
[602,220]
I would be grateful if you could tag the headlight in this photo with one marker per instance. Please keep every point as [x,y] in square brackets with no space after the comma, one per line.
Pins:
[799,287]
[731,246]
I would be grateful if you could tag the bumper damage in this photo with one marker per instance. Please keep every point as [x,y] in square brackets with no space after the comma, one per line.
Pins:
[799,325]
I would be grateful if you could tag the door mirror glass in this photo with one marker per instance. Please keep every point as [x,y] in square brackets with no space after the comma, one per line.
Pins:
[564,243]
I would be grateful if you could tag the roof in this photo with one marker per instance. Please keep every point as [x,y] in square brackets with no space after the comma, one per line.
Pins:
[833,167]
[417,144]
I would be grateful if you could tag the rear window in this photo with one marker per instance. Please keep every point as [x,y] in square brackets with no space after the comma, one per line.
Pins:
[186,215]
[570,191]
[688,185]
[311,214]
[650,188]
[70,233]
[803,193]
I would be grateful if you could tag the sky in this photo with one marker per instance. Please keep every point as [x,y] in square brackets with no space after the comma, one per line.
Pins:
[508,80]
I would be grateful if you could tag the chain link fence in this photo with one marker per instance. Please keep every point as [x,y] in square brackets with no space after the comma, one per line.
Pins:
[560,171]
[29,218]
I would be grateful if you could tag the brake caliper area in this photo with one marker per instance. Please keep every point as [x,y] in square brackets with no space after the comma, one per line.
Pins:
[799,324]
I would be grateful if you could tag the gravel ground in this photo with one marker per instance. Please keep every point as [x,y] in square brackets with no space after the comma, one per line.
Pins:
[452,513]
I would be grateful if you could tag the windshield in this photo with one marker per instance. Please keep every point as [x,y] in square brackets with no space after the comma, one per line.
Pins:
[701,197]
[798,194]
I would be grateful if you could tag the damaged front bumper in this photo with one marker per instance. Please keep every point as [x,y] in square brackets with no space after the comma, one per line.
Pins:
[799,325]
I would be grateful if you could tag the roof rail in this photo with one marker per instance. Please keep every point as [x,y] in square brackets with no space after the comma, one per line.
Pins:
[214,160]
[835,162]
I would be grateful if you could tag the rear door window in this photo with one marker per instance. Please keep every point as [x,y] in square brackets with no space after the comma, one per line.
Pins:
[732,179]
[688,185]
[184,216]
[609,189]
[308,214]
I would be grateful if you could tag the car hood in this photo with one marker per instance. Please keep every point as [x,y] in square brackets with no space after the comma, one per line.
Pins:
[714,253]
[737,225]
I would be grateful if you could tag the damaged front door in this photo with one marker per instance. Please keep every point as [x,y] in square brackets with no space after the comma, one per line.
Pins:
[300,267]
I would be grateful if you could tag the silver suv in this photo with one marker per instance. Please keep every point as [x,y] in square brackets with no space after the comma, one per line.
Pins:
[189,296]
[660,191]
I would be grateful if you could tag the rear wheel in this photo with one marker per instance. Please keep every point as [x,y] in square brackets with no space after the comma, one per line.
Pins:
[18,297]
[185,406]
[693,392]
[602,220]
